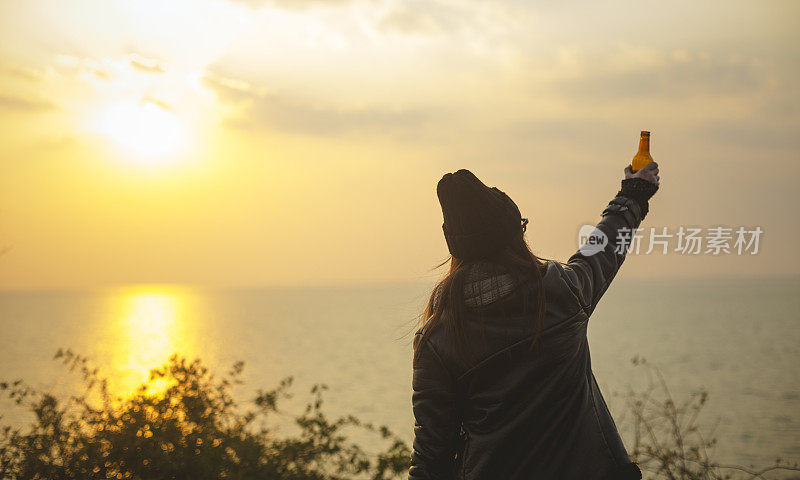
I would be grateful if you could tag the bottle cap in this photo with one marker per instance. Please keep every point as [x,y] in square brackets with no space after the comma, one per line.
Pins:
[645,133]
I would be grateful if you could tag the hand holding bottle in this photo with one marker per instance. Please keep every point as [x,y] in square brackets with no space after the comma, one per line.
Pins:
[649,172]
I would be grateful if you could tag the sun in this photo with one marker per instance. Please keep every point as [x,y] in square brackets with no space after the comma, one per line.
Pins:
[145,129]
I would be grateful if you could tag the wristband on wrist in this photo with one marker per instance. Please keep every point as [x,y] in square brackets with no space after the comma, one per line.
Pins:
[640,190]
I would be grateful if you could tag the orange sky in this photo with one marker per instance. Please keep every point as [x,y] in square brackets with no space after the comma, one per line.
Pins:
[259,142]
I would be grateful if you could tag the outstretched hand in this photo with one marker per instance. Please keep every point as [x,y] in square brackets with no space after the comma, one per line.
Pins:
[649,172]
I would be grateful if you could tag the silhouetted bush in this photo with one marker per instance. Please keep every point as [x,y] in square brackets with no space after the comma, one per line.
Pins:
[668,442]
[194,429]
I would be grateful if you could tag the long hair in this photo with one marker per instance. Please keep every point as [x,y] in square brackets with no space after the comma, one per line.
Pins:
[446,306]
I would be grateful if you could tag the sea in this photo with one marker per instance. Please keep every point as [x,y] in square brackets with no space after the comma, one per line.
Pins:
[737,339]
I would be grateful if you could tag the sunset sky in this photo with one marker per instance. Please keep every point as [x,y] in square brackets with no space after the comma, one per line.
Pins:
[293,142]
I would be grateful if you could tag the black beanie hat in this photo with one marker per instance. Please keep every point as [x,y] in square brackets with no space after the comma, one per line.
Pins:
[478,220]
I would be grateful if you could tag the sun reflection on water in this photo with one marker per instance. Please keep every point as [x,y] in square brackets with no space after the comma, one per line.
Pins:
[151,326]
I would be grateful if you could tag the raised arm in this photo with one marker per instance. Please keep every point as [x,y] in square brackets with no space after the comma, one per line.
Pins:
[436,421]
[590,270]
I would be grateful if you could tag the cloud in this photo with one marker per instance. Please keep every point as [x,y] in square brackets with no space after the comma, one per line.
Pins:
[626,74]
[21,73]
[410,21]
[9,102]
[264,109]
[755,134]
[158,103]
[557,130]
[465,21]
[322,120]
[293,4]
[99,69]
[229,90]
[146,65]
[109,67]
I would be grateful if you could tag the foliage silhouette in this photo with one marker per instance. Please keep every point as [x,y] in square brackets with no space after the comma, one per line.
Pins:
[194,429]
[191,427]
[668,443]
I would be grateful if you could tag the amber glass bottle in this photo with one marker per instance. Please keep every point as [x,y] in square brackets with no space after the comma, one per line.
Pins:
[642,157]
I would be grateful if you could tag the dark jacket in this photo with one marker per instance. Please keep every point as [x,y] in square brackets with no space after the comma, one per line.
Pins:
[512,412]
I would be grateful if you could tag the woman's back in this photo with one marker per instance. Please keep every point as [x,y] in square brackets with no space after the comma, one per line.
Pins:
[527,412]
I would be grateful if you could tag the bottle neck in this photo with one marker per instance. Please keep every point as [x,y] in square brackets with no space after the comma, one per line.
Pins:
[644,144]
